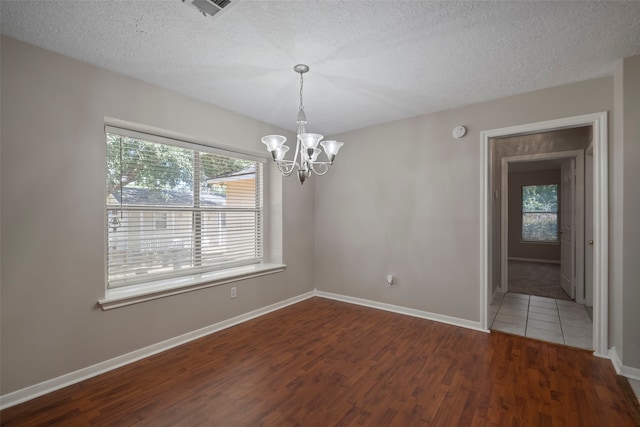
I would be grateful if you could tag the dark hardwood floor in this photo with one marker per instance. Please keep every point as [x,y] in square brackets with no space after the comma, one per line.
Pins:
[325,363]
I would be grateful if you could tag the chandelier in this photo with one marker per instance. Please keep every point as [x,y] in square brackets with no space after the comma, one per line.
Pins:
[305,159]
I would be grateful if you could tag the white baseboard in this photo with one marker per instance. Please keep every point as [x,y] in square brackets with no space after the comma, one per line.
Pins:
[65,380]
[463,323]
[543,261]
[625,371]
[615,360]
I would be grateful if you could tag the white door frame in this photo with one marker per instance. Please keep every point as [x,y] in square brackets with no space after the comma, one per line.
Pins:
[577,241]
[588,226]
[600,216]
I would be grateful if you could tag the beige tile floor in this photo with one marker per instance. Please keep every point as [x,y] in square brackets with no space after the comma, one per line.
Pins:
[548,319]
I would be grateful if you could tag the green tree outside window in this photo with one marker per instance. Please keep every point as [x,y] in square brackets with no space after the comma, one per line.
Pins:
[540,213]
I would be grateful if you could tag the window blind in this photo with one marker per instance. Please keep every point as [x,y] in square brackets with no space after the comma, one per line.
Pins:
[177,209]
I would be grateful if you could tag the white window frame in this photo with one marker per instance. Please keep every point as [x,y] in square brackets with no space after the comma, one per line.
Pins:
[135,293]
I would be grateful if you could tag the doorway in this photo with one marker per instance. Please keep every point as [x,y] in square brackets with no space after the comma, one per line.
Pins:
[551,230]
[543,218]
[492,276]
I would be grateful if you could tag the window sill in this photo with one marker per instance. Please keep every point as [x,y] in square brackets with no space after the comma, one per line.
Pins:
[128,295]
[541,242]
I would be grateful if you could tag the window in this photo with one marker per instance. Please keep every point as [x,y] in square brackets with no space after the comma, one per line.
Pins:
[540,213]
[176,209]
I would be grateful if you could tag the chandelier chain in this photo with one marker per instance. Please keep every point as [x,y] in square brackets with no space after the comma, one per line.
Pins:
[301,84]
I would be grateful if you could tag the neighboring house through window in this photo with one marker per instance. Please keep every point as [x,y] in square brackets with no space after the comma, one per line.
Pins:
[540,213]
[176,209]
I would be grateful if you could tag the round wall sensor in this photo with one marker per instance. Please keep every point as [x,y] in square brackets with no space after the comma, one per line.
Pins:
[459,131]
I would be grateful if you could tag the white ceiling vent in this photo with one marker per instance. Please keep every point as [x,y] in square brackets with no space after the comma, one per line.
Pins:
[209,7]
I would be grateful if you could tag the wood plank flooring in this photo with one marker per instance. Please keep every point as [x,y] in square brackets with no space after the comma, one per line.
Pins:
[326,363]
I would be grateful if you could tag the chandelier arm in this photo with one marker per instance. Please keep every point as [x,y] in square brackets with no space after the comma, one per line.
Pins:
[287,174]
[298,152]
[286,167]
[304,163]
[313,166]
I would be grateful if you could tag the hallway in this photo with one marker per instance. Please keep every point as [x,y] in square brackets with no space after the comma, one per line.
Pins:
[536,278]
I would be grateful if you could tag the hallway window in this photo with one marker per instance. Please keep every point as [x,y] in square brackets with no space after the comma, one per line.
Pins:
[540,213]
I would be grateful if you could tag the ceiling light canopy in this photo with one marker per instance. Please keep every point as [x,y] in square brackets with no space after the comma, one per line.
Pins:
[305,158]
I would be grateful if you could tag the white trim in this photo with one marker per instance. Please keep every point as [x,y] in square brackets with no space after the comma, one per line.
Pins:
[540,242]
[600,217]
[134,294]
[164,136]
[504,224]
[629,372]
[600,234]
[625,371]
[455,321]
[543,261]
[65,380]
[486,253]
[578,226]
[615,360]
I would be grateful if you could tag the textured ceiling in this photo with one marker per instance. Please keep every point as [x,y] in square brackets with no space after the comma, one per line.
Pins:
[371,61]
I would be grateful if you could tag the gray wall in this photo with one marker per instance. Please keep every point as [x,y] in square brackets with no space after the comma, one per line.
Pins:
[52,220]
[409,201]
[624,211]
[518,248]
[616,235]
[631,230]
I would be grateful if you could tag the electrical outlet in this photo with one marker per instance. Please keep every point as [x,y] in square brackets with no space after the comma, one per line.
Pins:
[233,292]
